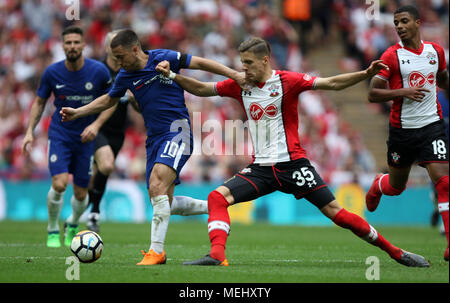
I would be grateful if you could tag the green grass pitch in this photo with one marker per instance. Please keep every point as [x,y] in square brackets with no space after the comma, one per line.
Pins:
[258,253]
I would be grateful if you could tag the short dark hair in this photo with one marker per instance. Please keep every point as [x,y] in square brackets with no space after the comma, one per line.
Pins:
[256,45]
[72,30]
[412,10]
[126,38]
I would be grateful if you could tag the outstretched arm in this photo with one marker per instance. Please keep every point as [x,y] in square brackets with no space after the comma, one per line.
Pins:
[345,80]
[217,68]
[191,85]
[96,106]
[91,131]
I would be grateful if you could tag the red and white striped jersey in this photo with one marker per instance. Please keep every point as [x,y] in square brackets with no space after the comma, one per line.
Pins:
[272,114]
[414,68]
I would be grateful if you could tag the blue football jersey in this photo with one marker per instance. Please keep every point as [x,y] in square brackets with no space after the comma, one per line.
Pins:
[160,99]
[73,89]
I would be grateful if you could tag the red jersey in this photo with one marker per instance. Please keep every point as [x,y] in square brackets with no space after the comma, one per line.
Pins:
[272,114]
[414,68]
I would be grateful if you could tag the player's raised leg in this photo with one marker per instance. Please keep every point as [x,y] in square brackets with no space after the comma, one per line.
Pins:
[188,206]
[79,202]
[364,230]
[54,205]
[391,184]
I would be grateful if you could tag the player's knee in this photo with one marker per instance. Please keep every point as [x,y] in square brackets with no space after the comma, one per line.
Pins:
[331,209]
[79,193]
[106,168]
[217,199]
[161,179]
[226,193]
[59,185]
[157,188]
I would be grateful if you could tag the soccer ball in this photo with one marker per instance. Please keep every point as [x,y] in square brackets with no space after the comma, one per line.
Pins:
[87,246]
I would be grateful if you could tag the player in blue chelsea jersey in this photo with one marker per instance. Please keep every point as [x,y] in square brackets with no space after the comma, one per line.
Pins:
[108,143]
[75,81]
[161,101]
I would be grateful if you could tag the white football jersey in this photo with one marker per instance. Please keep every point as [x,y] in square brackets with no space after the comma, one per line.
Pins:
[272,114]
[414,68]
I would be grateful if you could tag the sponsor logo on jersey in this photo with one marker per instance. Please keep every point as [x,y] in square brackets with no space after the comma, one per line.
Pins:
[271,110]
[162,79]
[430,78]
[82,99]
[257,112]
[58,86]
[165,80]
[417,79]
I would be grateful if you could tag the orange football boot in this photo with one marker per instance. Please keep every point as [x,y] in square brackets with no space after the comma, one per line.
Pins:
[153,258]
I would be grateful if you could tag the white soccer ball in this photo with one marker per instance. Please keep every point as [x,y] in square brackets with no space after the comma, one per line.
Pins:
[87,246]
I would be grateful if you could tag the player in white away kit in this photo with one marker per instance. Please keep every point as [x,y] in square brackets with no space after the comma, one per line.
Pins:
[280,163]
[417,129]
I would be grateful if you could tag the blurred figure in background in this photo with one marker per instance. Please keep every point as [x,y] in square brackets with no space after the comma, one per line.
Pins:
[74,81]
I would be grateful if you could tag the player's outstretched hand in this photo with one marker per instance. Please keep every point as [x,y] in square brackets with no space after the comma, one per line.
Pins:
[68,114]
[415,93]
[240,79]
[163,67]
[89,133]
[375,67]
[27,143]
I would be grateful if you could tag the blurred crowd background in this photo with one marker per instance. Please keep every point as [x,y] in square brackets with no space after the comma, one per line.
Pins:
[30,40]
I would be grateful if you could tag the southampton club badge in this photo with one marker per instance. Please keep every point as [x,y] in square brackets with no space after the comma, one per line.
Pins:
[432,58]
[395,157]
[274,90]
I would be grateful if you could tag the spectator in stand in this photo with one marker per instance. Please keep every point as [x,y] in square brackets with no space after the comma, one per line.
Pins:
[29,42]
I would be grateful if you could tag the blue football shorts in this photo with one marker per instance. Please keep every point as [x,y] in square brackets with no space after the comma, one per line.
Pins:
[71,157]
[172,149]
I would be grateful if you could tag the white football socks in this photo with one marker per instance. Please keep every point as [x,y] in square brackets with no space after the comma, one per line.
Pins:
[160,222]
[187,206]
[78,207]
[54,206]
